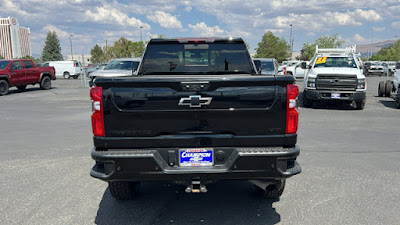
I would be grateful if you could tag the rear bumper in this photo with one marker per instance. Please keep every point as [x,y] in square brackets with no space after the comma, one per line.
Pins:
[162,164]
[326,95]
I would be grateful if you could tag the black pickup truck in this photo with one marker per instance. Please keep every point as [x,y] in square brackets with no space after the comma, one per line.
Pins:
[195,112]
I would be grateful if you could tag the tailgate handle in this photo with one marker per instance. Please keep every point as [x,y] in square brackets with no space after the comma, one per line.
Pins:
[195,86]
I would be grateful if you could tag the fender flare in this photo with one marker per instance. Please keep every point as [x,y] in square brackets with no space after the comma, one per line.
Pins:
[44,74]
[5,77]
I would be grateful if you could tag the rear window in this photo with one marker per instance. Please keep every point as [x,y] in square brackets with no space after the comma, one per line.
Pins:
[120,65]
[207,58]
[267,66]
[28,64]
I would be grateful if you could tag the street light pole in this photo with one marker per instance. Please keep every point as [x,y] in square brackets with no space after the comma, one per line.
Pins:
[291,41]
[70,41]
[141,40]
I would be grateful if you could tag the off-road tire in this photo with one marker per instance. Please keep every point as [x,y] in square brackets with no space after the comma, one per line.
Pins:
[123,190]
[306,102]
[4,87]
[398,98]
[360,105]
[381,88]
[66,75]
[45,83]
[388,88]
[21,87]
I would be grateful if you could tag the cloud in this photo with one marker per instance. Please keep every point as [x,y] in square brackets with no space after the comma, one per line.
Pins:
[109,15]
[367,15]
[358,38]
[165,20]
[203,30]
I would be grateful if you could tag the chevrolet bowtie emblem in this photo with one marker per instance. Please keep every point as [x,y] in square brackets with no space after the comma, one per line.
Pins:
[195,101]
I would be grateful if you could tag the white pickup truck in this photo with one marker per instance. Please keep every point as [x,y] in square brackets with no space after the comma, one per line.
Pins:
[335,75]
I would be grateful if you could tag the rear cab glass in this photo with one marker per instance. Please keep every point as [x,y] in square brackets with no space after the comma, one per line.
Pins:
[196,58]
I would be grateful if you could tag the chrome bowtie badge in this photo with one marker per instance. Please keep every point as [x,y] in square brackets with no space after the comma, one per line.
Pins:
[195,101]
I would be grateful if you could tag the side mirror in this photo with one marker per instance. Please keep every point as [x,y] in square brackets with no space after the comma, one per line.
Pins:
[303,65]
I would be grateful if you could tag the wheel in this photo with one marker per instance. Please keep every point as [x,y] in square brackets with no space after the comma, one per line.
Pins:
[123,190]
[388,88]
[67,75]
[360,105]
[75,77]
[45,84]
[398,98]
[21,87]
[4,87]
[273,194]
[381,89]
[307,103]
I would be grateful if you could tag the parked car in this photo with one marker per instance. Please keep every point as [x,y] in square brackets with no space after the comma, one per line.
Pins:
[266,65]
[335,75]
[193,119]
[373,67]
[20,73]
[117,68]
[66,69]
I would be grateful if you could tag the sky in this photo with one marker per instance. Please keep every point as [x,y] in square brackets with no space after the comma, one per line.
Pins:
[95,21]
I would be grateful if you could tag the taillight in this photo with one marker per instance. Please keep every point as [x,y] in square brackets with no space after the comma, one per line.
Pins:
[292,115]
[284,70]
[96,93]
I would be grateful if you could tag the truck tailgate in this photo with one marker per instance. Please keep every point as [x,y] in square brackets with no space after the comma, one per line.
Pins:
[230,111]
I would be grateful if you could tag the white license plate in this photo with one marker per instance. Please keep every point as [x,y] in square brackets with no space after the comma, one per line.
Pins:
[335,95]
[196,157]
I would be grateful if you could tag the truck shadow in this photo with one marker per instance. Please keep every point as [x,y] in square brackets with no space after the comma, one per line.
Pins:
[226,202]
[327,105]
[27,90]
[389,103]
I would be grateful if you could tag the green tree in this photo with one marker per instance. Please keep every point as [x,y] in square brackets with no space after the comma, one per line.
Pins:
[28,57]
[122,48]
[97,54]
[52,49]
[1,57]
[138,48]
[326,41]
[272,47]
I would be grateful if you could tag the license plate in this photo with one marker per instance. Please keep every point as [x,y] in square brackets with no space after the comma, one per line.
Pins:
[335,95]
[196,157]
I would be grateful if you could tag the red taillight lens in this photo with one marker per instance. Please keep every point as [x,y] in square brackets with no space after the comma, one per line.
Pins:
[292,115]
[96,93]
[284,70]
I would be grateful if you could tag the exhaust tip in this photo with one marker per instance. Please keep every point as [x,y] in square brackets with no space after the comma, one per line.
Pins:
[271,187]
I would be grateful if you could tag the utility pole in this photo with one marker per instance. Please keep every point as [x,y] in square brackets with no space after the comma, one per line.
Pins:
[141,40]
[291,41]
[106,53]
[70,41]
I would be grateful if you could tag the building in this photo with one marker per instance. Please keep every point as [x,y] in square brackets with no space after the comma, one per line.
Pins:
[15,41]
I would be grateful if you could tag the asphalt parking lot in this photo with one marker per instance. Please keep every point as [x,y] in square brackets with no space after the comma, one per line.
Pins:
[350,162]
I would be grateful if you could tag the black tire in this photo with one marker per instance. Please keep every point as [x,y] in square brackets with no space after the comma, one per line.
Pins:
[274,194]
[307,103]
[45,83]
[4,87]
[123,190]
[75,77]
[381,89]
[360,105]
[398,98]
[67,75]
[21,87]
[388,88]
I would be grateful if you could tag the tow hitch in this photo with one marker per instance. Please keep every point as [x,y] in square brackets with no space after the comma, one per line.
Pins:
[196,187]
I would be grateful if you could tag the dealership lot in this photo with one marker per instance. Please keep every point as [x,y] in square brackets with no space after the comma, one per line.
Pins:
[349,160]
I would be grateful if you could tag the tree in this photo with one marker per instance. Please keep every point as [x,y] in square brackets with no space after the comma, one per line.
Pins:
[28,57]
[97,54]
[272,47]
[326,41]
[124,48]
[52,49]
[1,57]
